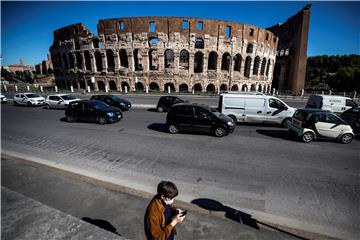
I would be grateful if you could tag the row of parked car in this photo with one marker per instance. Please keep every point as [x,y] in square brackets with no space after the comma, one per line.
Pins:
[317,121]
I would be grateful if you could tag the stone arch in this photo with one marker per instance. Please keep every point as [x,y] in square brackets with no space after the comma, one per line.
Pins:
[101,85]
[234,87]
[260,88]
[153,41]
[110,60]
[263,64]
[82,84]
[90,84]
[98,61]
[256,65]
[197,87]
[183,88]
[154,87]
[247,67]
[198,62]
[71,61]
[252,87]
[79,60]
[66,66]
[139,86]
[212,61]
[184,59]
[211,88]
[153,60]
[249,48]
[169,58]
[87,60]
[112,85]
[124,62]
[237,62]
[225,62]
[223,87]
[244,87]
[199,43]
[125,84]
[138,60]
[171,85]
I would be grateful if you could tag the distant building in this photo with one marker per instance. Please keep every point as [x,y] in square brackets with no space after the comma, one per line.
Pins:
[21,67]
[45,67]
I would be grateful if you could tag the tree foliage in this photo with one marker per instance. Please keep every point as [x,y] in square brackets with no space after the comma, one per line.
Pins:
[339,73]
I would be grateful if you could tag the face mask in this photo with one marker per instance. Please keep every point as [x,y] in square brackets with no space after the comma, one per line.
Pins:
[169,202]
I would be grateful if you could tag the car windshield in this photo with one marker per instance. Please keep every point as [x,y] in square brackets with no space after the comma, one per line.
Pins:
[215,112]
[100,105]
[31,95]
[114,98]
[300,115]
[68,97]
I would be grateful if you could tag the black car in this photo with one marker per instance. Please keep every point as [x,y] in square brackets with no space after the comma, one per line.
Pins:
[93,111]
[352,117]
[114,101]
[166,102]
[195,117]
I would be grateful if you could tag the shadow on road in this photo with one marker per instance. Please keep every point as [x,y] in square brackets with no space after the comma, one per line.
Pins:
[160,127]
[152,110]
[101,224]
[236,215]
[283,134]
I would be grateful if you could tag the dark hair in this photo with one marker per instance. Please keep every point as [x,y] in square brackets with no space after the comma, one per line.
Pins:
[168,189]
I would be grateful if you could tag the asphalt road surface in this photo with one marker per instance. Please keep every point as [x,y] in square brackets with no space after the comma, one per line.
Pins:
[257,169]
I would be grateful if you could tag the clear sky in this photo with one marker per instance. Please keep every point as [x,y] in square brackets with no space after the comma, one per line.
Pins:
[27,27]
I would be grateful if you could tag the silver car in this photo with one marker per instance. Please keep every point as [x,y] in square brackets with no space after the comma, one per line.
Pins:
[28,99]
[60,100]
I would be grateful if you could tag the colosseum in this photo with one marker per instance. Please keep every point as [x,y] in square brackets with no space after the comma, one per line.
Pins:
[176,54]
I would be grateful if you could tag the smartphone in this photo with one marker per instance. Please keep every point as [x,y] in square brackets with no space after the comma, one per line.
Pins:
[183,213]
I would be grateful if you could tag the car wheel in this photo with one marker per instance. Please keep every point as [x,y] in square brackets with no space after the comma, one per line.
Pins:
[101,120]
[71,119]
[308,137]
[15,103]
[173,129]
[346,138]
[220,131]
[160,109]
[47,106]
[286,122]
[29,104]
[233,118]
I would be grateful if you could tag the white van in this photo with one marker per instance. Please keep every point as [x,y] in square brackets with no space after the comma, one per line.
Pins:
[336,104]
[255,107]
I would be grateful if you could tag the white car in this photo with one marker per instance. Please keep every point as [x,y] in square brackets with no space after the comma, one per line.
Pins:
[60,100]
[3,99]
[309,124]
[29,99]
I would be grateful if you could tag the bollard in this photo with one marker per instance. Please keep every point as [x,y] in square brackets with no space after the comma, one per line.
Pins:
[16,88]
[147,89]
[106,89]
[218,90]
[302,92]
[56,89]
[344,94]
[28,88]
[169,90]
[126,90]
[330,92]
[273,91]
[354,95]
[5,88]
[322,92]
[71,88]
[193,91]
[41,89]
[89,88]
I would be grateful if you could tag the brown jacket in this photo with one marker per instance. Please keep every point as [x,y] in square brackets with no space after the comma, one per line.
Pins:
[154,221]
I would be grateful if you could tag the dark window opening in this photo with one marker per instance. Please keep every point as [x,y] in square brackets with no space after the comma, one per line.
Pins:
[110,60]
[123,58]
[198,62]
[228,31]
[263,64]
[237,62]
[184,59]
[77,45]
[138,60]
[199,43]
[79,61]
[96,43]
[87,60]
[268,68]
[185,24]
[212,62]
[151,26]
[121,25]
[251,32]
[153,41]
[247,67]
[153,60]
[200,26]
[256,65]
[225,62]
[249,48]
[267,36]
[169,58]
[98,60]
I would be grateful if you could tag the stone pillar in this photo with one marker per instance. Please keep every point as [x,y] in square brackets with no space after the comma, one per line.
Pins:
[56,88]
[131,61]
[205,63]
[176,62]
[242,68]
[191,63]
[92,62]
[104,61]
[83,61]
[117,61]
[75,60]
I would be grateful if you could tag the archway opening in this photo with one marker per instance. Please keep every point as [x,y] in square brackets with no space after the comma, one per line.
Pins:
[223,87]
[197,87]
[183,88]
[234,87]
[154,87]
[210,88]
[139,87]
[171,85]
[112,85]
[101,86]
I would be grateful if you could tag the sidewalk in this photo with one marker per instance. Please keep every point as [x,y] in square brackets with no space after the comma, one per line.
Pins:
[70,199]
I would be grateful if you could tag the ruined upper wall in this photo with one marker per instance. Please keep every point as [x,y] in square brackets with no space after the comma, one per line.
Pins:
[214,28]
[73,31]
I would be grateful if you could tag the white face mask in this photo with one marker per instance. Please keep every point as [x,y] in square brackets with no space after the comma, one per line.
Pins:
[169,202]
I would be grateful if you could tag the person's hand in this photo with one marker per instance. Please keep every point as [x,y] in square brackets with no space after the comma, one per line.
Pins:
[177,219]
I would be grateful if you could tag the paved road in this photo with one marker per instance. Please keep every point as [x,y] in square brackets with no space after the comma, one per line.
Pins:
[257,169]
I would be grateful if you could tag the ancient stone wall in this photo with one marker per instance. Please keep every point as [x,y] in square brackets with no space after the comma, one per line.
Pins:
[161,53]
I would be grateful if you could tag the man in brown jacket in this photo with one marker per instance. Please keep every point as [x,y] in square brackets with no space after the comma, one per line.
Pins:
[161,217]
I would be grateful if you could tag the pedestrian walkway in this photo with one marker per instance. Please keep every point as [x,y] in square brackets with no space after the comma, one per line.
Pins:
[61,200]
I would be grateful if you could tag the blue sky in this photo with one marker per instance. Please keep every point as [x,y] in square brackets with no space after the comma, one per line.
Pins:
[27,27]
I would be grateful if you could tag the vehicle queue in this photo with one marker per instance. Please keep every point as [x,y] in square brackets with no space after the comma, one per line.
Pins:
[307,124]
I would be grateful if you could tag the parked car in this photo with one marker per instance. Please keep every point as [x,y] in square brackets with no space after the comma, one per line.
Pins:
[255,107]
[92,111]
[165,102]
[332,103]
[3,99]
[114,101]
[309,124]
[59,100]
[352,117]
[195,117]
[29,99]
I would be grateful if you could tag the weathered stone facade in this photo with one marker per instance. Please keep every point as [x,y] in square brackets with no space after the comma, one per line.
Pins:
[158,53]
